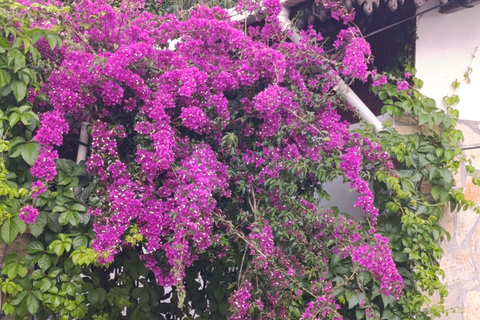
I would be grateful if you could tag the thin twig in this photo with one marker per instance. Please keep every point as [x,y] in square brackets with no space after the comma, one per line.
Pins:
[81,37]
[241,266]
[250,244]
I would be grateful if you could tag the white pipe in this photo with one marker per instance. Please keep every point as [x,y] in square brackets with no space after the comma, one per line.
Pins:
[82,151]
[82,146]
[360,107]
[286,24]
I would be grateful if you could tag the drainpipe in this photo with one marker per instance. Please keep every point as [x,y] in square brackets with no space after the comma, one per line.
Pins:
[286,24]
[358,105]
[82,151]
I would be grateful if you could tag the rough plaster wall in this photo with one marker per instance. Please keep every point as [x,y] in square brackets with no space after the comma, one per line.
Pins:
[443,52]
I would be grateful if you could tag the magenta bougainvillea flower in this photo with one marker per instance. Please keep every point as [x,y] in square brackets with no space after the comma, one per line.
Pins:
[200,132]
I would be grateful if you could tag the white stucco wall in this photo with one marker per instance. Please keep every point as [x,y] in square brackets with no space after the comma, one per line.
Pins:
[443,52]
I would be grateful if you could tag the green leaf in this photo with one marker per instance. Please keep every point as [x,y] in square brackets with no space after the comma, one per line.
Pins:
[17,43]
[447,177]
[439,193]
[10,230]
[59,41]
[223,307]
[22,226]
[359,314]
[78,207]
[37,228]
[56,301]
[13,119]
[18,298]
[11,269]
[19,89]
[57,247]
[25,118]
[93,296]
[17,58]
[418,83]
[80,241]
[5,91]
[65,217]
[59,209]
[52,41]
[37,274]
[16,140]
[52,222]
[354,298]
[36,35]
[66,166]
[71,289]
[387,300]
[35,55]
[32,303]
[22,271]
[45,284]
[400,257]
[4,78]
[54,272]
[4,43]
[34,247]
[382,95]
[30,153]
[11,258]
[218,293]
[63,178]
[7,308]
[75,219]
[45,262]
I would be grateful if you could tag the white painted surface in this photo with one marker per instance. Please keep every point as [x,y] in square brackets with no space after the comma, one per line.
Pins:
[342,197]
[443,52]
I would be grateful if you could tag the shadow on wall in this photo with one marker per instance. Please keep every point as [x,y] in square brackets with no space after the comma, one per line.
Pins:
[342,197]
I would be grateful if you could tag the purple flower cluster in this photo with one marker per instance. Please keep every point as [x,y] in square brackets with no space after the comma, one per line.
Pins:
[272,7]
[45,166]
[323,306]
[328,120]
[194,118]
[50,134]
[378,80]
[240,302]
[28,214]
[357,53]
[351,163]
[271,104]
[180,107]
[402,86]
[377,258]
[263,240]
[38,187]
[338,10]
[52,129]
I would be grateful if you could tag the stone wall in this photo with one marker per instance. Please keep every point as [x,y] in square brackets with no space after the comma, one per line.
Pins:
[461,260]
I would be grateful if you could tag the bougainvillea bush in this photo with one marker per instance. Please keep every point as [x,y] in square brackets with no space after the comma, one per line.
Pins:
[201,192]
